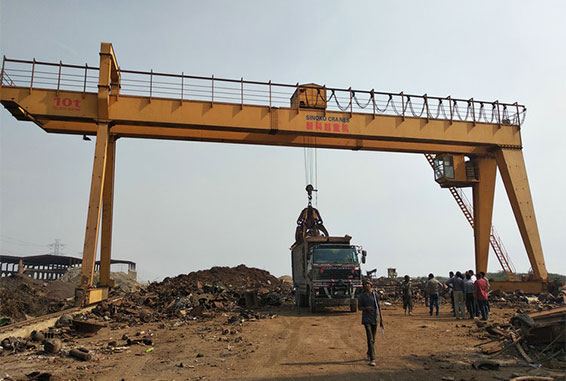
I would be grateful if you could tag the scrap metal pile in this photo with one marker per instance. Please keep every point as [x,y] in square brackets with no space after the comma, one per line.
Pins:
[199,294]
[522,300]
[391,292]
[50,341]
[196,294]
[538,338]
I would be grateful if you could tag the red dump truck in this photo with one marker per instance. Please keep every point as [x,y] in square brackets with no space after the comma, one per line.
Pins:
[327,272]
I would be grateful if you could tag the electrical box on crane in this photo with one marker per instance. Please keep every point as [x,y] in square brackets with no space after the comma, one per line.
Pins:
[309,95]
[454,171]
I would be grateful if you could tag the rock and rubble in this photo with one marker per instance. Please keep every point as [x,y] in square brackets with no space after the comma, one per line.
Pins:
[218,308]
[124,282]
[199,294]
[22,297]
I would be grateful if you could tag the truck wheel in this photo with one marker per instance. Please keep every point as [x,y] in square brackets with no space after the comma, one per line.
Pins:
[300,299]
[312,305]
[304,300]
[354,305]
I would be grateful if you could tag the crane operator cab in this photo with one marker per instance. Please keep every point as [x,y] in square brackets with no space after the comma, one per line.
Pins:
[454,171]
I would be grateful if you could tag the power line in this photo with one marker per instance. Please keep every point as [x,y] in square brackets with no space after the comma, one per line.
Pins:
[19,242]
[57,248]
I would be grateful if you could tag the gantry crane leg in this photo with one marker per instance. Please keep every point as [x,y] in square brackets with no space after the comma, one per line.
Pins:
[107,214]
[85,294]
[483,195]
[514,174]
[102,186]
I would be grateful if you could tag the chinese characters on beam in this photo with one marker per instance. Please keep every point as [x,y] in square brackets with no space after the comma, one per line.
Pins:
[329,127]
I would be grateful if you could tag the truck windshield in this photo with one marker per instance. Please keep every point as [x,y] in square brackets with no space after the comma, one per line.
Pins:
[345,255]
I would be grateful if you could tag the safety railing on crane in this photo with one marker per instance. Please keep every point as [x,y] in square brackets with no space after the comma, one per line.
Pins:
[494,240]
[37,74]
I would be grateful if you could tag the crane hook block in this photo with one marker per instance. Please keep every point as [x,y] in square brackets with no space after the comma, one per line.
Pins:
[309,190]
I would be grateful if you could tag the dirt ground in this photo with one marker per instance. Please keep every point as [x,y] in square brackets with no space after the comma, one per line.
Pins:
[294,344]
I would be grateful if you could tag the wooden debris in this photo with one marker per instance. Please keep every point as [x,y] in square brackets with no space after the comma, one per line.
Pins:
[537,337]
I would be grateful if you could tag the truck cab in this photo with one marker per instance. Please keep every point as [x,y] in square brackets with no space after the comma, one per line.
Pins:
[327,272]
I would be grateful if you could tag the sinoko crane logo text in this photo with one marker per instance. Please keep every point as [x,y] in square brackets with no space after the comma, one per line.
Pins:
[328,124]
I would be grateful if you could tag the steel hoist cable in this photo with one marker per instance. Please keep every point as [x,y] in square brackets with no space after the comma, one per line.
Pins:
[310,156]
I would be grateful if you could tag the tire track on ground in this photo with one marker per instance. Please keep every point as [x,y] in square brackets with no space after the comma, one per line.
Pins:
[283,342]
[291,333]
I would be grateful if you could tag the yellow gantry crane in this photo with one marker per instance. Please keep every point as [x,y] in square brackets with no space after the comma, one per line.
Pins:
[469,139]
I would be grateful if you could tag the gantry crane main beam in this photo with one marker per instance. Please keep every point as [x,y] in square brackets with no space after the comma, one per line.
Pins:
[110,113]
[131,116]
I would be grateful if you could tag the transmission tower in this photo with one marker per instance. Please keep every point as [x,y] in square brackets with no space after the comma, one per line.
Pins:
[56,247]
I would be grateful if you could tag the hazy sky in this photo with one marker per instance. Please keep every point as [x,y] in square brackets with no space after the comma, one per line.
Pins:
[183,206]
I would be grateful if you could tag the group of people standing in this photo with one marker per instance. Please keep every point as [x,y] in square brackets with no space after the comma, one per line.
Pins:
[467,292]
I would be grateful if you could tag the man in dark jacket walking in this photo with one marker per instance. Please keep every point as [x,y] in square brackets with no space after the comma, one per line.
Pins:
[371,313]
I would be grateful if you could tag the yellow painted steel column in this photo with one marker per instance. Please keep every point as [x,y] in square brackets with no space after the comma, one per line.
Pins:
[107,214]
[514,174]
[94,206]
[108,79]
[483,195]
[107,74]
